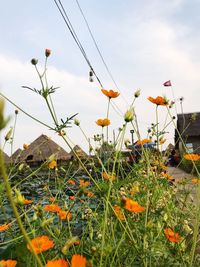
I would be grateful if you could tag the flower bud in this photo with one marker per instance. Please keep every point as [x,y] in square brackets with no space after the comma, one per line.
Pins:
[76,122]
[9,134]
[34,61]
[16,111]
[137,93]
[47,52]
[128,116]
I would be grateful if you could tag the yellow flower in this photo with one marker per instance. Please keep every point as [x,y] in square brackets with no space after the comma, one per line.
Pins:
[41,244]
[103,122]
[195,180]
[52,164]
[25,146]
[118,212]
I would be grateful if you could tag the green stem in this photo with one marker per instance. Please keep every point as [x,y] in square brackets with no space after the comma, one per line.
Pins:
[14,208]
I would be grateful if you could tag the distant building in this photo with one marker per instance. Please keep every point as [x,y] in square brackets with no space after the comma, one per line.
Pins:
[187,133]
[77,150]
[6,158]
[40,150]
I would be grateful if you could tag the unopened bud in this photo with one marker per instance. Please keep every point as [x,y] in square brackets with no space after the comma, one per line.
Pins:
[9,134]
[34,61]
[76,122]
[129,115]
[16,111]
[47,52]
[137,93]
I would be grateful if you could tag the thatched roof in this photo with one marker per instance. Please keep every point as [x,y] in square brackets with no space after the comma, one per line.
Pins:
[6,157]
[16,155]
[79,151]
[188,124]
[41,149]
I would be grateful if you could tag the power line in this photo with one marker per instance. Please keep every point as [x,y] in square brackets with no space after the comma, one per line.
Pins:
[97,47]
[75,37]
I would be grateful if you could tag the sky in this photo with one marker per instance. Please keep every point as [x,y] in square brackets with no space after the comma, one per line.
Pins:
[144,43]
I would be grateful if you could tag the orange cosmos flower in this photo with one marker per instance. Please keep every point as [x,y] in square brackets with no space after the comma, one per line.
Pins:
[132,205]
[103,122]
[143,141]
[41,244]
[52,164]
[57,263]
[110,93]
[84,183]
[89,194]
[108,177]
[193,157]
[72,197]
[52,208]
[27,201]
[4,227]
[78,261]
[118,212]
[159,100]
[71,182]
[64,214]
[195,180]
[8,263]
[172,236]
[25,146]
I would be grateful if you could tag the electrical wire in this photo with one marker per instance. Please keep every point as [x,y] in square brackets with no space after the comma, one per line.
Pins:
[75,37]
[97,47]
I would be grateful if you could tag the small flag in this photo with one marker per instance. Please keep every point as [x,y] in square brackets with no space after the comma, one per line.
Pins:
[167,83]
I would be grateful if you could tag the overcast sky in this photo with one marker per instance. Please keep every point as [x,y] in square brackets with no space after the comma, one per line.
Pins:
[144,44]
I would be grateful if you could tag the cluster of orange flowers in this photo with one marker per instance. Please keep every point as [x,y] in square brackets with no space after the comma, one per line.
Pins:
[56,209]
[8,263]
[193,157]
[172,236]
[41,244]
[84,183]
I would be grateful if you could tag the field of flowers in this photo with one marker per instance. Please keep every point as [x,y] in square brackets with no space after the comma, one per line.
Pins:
[102,211]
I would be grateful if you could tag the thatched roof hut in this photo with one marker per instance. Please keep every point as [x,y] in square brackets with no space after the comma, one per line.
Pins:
[16,155]
[79,151]
[41,149]
[188,126]
[6,157]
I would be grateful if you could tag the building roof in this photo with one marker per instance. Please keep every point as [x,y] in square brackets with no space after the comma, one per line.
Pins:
[41,149]
[188,124]
[16,155]
[6,157]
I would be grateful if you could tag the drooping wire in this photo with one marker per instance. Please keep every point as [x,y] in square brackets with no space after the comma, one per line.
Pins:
[97,47]
[75,37]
